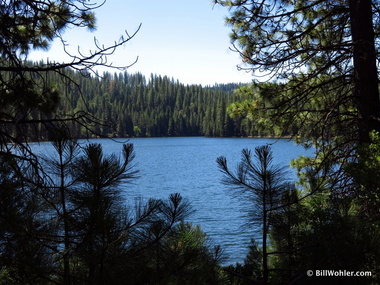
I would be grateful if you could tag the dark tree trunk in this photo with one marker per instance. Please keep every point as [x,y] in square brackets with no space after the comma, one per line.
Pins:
[265,228]
[66,255]
[365,70]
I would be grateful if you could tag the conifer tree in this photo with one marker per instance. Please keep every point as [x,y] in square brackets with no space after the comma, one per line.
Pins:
[263,184]
[324,55]
[28,99]
[97,198]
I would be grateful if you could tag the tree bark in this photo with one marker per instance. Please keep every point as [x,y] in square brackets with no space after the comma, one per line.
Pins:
[365,71]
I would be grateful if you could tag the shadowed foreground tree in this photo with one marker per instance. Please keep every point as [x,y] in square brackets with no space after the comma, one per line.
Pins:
[116,245]
[28,101]
[324,57]
[325,51]
[26,249]
[321,230]
[57,172]
[303,229]
[97,217]
[28,110]
[75,226]
[262,184]
[323,54]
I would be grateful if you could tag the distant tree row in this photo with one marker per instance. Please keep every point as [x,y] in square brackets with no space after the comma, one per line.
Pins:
[130,105]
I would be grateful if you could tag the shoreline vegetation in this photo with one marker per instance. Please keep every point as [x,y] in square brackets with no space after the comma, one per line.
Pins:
[130,105]
[62,218]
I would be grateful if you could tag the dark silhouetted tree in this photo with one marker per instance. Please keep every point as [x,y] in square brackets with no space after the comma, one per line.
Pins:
[324,50]
[262,183]
[98,218]
[29,101]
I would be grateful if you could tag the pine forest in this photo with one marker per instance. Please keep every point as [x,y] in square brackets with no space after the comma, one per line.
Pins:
[130,105]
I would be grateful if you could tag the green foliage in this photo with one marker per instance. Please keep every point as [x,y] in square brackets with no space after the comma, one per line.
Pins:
[182,257]
[323,232]
[136,131]
[263,184]
[25,256]
[326,93]
[251,272]
[365,173]
[30,102]
[129,105]
[310,229]
[327,223]
[323,56]
[257,179]
[73,226]
[34,24]
[63,219]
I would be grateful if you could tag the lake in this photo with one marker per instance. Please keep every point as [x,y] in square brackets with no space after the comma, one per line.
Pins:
[187,165]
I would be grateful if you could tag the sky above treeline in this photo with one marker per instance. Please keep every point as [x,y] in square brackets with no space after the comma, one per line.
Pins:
[182,39]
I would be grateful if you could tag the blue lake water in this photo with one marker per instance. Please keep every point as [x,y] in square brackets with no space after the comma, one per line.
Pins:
[187,165]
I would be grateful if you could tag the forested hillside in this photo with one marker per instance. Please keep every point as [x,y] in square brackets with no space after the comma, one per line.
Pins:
[63,215]
[133,105]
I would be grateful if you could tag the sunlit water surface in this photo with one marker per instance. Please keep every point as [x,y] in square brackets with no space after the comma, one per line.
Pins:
[187,165]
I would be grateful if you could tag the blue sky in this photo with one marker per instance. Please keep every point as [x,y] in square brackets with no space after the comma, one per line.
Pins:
[183,39]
